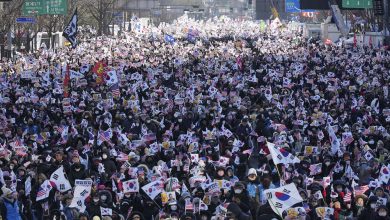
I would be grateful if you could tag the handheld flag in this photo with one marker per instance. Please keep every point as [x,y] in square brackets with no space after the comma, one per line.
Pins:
[153,189]
[335,142]
[130,186]
[105,211]
[44,190]
[81,192]
[98,69]
[66,82]
[280,155]
[60,182]
[70,32]
[282,198]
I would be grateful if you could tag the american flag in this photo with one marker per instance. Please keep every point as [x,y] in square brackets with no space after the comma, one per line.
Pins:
[122,157]
[115,90]
[18,143]
[105,136]
[358,190]
[189,205]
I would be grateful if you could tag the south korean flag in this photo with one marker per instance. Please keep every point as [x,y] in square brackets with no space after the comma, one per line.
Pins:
[70,32]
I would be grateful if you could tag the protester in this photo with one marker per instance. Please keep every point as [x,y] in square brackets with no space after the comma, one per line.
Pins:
[196,120]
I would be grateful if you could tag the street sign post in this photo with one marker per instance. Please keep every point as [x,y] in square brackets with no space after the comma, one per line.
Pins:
[45,7]
[25,20]
[362,4]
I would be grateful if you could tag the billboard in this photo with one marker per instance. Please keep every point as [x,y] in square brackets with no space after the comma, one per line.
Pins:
[45,7]
[293,6]
[363,4]
[343,4]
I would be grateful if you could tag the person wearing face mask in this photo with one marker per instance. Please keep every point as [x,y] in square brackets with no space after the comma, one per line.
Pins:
[93,208]
[252,185]
[77,172]
[369,211]
[109,165]
[326,166]
[241,198]
[131,200]
[382,213]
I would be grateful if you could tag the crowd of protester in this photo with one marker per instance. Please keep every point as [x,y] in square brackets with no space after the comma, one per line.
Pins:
[149,121]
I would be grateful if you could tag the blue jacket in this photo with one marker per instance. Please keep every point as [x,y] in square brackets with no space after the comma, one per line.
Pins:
[12,210]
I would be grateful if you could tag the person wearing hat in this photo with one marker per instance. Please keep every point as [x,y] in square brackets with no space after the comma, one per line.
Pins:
[252,184]
[136,216]
[9,205]
[240,197]
[234,212]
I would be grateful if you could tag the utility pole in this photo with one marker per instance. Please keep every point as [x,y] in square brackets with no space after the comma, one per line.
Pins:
[386,22]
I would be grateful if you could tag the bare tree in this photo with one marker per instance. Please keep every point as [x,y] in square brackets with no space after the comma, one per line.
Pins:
[102,12]
[10,11]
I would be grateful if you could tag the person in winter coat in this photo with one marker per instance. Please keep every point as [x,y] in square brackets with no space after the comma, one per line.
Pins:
[131,200]
[369,211]
[9,205]
[77,172]
[93,208]
[109,165]
[383,213]
[235,213]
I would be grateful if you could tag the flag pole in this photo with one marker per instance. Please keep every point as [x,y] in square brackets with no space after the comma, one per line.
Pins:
[276,209]
[277,169]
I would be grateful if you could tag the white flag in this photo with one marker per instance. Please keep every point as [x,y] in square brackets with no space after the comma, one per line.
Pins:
[27,186]
[105,211]
[58,178]
[81,192]
[153,189]
[130,186]
[113,78]
[280,155]
[282,198]
[335,142]
[384,174]
[184,189]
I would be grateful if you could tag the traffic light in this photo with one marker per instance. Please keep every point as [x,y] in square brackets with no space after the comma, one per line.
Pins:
[378,7]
